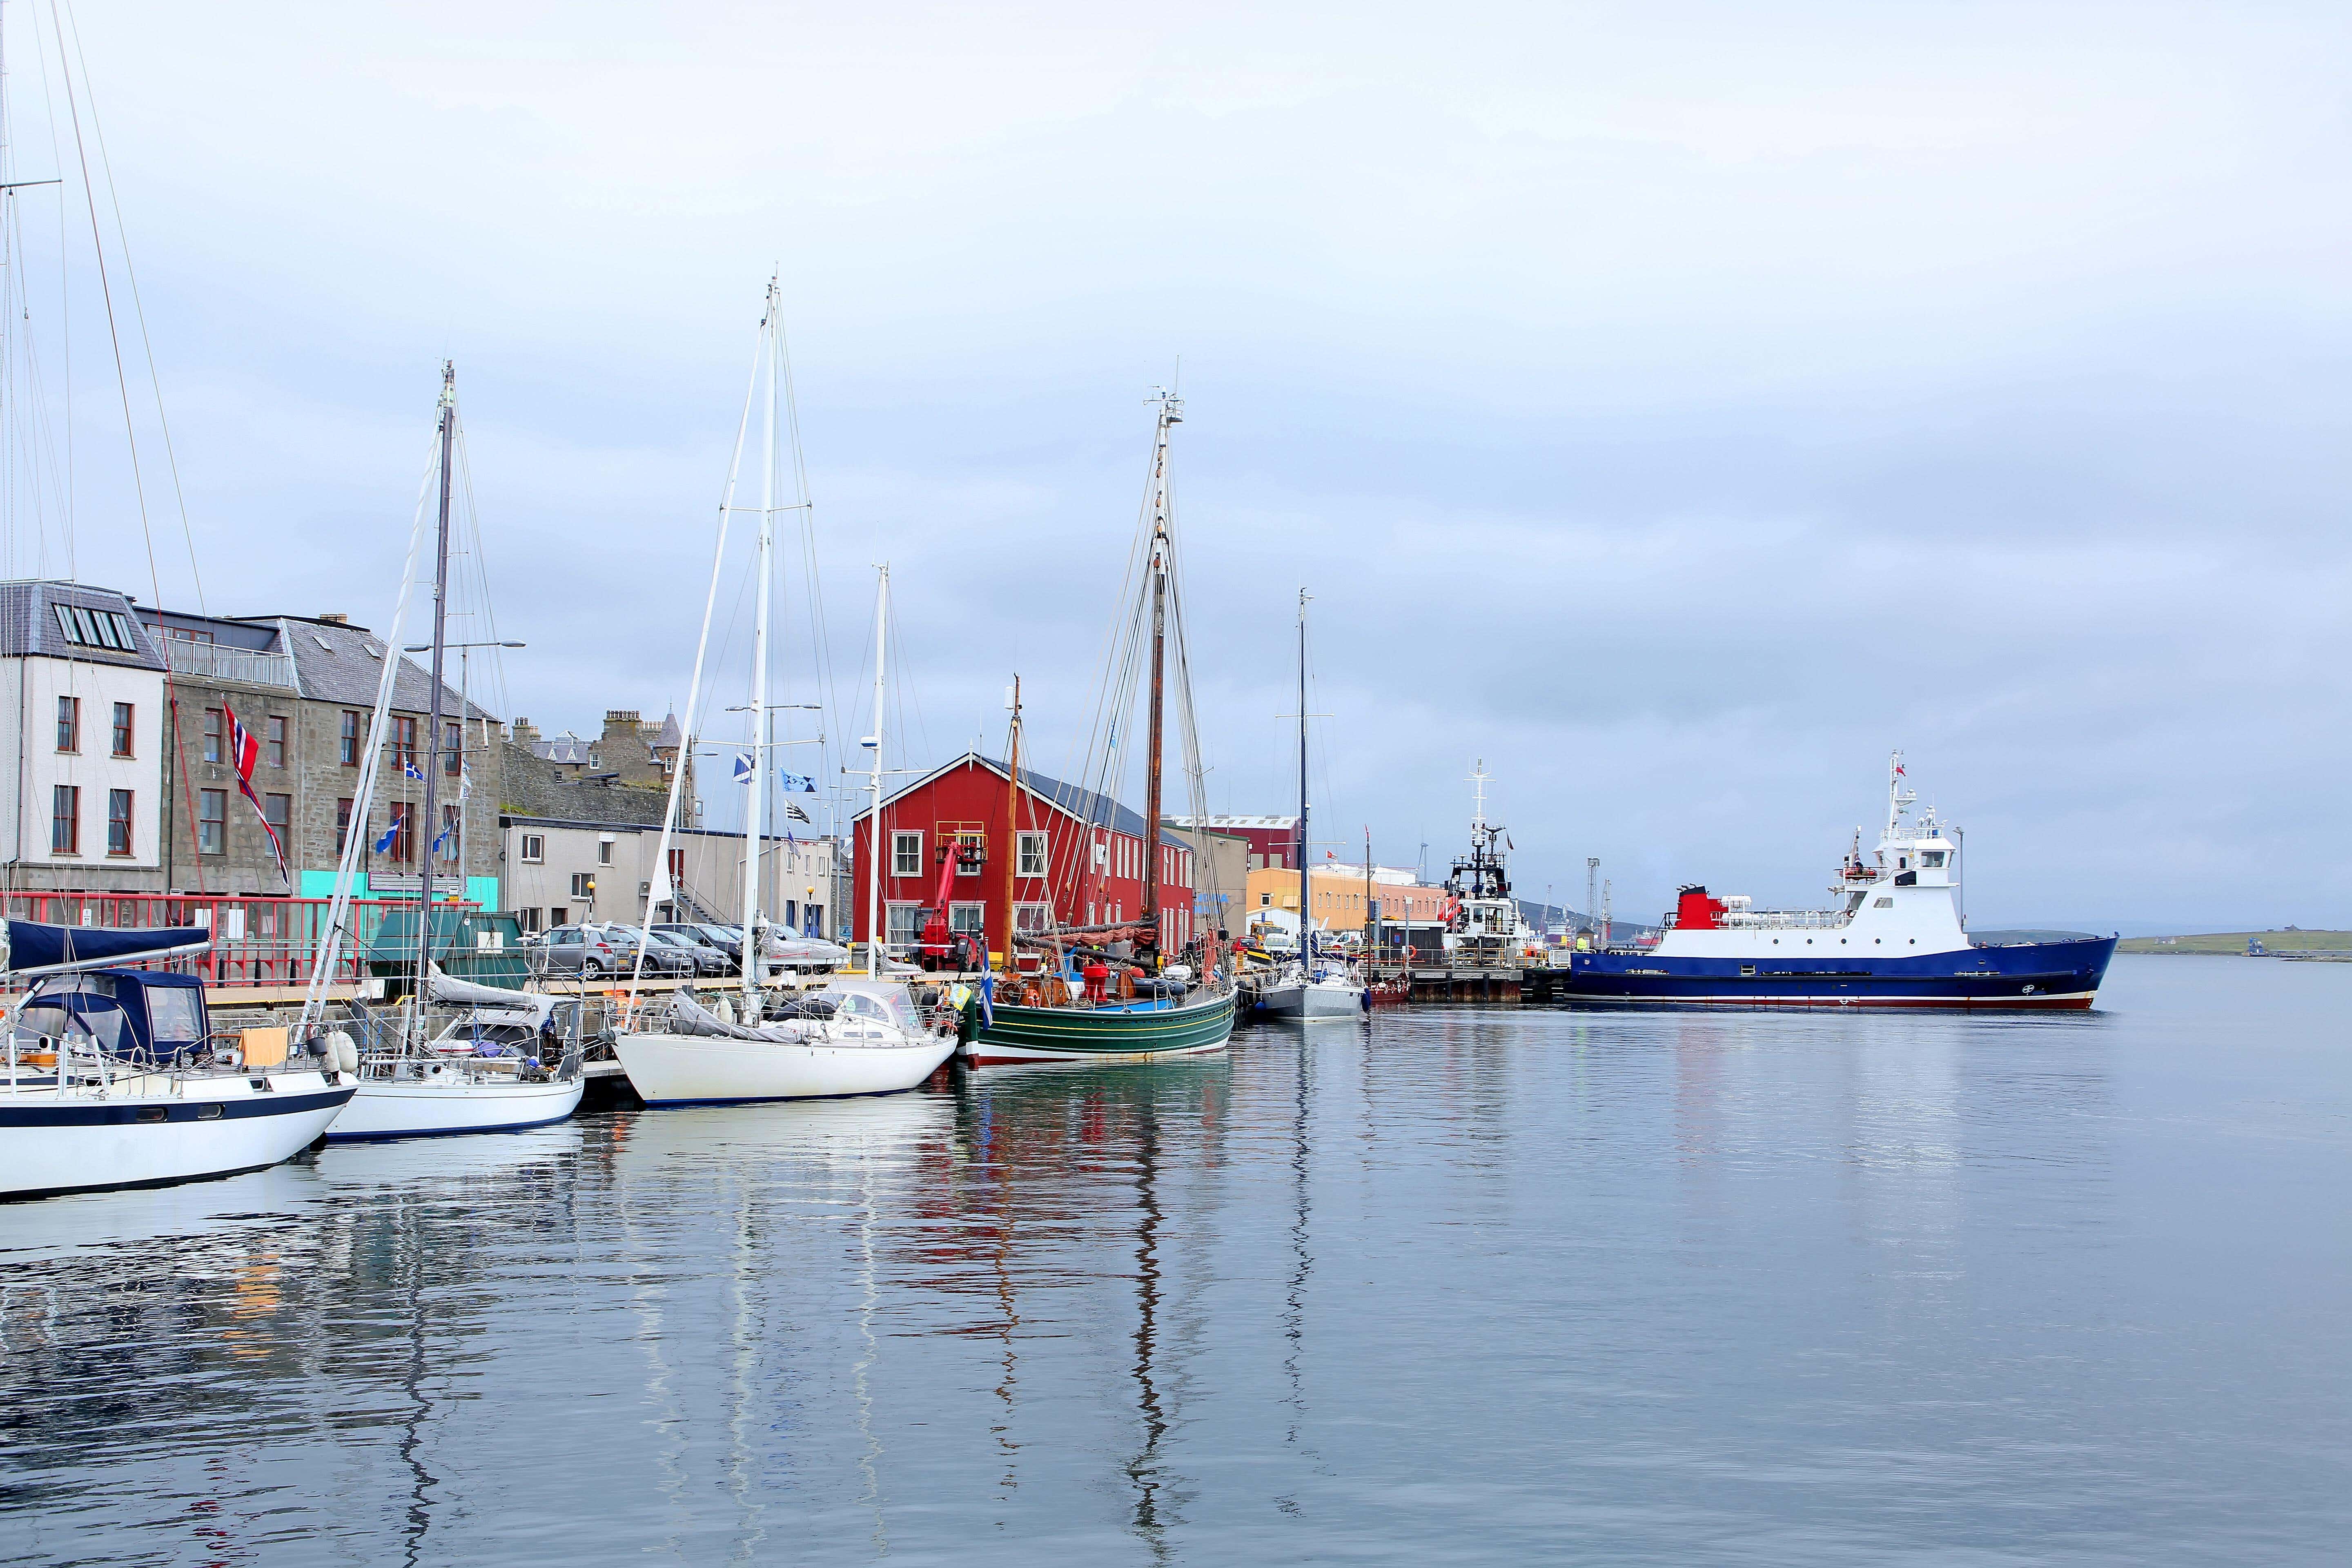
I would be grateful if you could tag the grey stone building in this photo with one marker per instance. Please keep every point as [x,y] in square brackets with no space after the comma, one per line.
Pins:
[304,688]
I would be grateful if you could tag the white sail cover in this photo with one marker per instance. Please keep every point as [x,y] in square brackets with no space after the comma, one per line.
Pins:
[526,1008]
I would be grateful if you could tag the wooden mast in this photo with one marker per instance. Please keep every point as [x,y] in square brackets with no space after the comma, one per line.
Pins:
[1011,847]
[1171,413]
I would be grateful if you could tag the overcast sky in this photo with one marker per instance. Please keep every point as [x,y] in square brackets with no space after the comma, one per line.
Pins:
[1677,406]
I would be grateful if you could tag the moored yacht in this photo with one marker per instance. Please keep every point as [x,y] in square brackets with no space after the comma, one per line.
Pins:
[1896,937]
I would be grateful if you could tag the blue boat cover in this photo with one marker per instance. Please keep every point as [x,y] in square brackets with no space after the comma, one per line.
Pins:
[35,948]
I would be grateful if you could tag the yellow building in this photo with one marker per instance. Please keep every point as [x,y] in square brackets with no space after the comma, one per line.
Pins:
[1338,895]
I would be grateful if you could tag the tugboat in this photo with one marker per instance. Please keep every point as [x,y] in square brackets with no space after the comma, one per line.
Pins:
[1897,938]
[1483,927]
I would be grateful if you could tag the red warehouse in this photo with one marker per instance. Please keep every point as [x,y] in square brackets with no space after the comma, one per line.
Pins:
[1076,857]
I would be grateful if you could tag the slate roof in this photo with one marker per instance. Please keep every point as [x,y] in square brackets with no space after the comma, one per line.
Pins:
[28,624]
[567,748]
[341,663]
[1085,804]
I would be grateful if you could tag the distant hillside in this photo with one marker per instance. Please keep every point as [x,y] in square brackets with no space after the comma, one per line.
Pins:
[2233,942]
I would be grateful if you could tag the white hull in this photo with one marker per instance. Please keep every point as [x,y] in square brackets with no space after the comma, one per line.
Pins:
[452,1100]
[151,1131]
[1322,1001]
[706,1070]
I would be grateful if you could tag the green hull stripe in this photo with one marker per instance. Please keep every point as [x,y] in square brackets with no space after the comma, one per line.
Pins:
[1072,1029]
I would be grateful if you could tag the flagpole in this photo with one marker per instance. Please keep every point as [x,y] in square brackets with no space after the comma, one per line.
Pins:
[432,738]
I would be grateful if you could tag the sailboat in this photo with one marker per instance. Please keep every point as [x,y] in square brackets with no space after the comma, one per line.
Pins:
[852,1035]
[1312,985]
[1160,1011]
[111,1079]
[485,1072]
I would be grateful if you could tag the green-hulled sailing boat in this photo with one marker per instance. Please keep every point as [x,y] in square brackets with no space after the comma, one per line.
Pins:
[1144,1007]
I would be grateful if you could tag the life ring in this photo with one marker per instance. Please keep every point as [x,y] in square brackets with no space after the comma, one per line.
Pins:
[1413,952]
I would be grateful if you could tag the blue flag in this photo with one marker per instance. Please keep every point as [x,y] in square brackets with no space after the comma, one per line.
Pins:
[987,1001]
[743,767]
[412,771]
[383,845]
[801,782]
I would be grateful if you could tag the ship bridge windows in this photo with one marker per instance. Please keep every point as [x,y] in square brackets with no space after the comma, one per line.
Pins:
[1932,860]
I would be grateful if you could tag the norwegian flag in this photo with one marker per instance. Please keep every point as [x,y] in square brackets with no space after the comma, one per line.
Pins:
[245,751]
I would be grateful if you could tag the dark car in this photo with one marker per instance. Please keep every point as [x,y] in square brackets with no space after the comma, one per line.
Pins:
[708,937]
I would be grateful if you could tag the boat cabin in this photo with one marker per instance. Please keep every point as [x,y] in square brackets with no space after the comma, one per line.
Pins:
[140,1015]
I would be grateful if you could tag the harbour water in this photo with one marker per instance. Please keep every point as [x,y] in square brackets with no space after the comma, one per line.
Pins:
[1449,1285]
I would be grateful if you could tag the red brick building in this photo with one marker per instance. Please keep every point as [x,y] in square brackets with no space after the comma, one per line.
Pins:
[1076,857]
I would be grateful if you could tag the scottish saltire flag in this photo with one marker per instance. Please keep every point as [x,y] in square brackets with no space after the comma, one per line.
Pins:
[799,782]
[383,844]
[987,1001]
[441,840]
[743,769]
[412,771]
[464,784]
[795,812]
[245,751]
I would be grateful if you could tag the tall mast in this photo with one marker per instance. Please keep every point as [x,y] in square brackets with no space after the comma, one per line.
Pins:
[1305,920]
[433,740]
[1171,413]
[755,788]
[874,860]
[1012,841]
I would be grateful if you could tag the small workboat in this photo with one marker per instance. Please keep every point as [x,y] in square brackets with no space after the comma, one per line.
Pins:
[114,1079]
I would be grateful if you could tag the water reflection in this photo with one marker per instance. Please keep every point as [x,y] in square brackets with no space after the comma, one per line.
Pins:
[1491,1284]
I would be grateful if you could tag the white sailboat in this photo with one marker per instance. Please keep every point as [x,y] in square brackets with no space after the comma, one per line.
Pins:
[108,1081]
[480,1075]
[1314,984]
[851,1036]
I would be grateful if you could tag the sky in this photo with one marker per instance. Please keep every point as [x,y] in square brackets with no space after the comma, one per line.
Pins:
[1675,406]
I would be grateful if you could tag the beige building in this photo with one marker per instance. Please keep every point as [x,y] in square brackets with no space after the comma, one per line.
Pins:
[557,871]
[1339,898]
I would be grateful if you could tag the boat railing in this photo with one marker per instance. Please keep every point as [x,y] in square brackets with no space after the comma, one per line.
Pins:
[1782,920]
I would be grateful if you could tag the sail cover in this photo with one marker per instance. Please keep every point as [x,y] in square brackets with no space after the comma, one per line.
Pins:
[528,1007]
[31,948]
[687,1016]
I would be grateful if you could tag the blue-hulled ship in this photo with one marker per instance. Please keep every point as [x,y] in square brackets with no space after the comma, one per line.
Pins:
[1897,937]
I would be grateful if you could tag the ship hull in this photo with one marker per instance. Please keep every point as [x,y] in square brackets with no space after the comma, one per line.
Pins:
[1102,1035]
[2032,976]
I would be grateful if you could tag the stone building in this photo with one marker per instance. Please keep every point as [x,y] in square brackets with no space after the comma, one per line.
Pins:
[629,751]
[304,688]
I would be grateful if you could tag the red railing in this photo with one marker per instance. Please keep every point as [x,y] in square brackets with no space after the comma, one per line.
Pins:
[255,940]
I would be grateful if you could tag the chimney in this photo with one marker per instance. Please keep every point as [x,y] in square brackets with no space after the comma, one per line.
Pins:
[336,620]
[522,733]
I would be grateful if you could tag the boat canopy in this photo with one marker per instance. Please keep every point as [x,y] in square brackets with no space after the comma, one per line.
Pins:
[32,948]
[129,1013]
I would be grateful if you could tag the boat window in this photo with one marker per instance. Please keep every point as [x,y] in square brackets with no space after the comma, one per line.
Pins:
[1932,859]
[174,1014]
[1886,903]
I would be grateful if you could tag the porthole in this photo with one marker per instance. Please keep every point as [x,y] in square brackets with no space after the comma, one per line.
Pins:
[1809,941]
[1915,942]
[1876,940]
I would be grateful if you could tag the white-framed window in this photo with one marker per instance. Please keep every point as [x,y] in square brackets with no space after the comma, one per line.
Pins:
[906,856]
[1033,917]
[1031,853]
[534,852]
[978,841]
[906,919]
[1102,854]
[583,885]
[969,918]
[528,920]
[603,857]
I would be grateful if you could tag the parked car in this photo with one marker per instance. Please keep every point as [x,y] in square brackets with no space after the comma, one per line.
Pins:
[711,937]
[708,960]
[576,950]
[661,960]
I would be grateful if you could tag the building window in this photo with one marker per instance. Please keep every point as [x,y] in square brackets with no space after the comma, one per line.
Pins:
[117,822]
[605,852]
[65,820]
[212,822]
[403,743]
[278,810]
[124,733]
[906,919]
[1033,917]
[351,739]
[342,823]
[971,919]
[96,628]
[452,748]
[68,723]
[583,885]
[534,848]
[448,839]
[215,745]
[273,748]
[1031,854]
[527,919]
[402,848]
[558,915]
[906,855]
